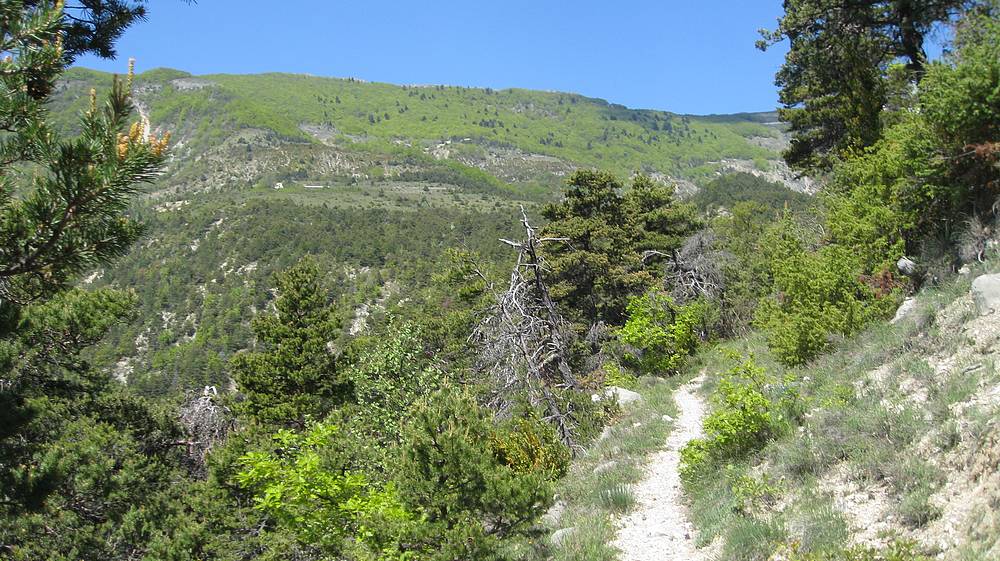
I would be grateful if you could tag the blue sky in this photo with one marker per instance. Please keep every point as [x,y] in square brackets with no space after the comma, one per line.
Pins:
[677,55]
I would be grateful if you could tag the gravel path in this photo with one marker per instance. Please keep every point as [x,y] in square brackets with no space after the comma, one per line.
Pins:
[658,528]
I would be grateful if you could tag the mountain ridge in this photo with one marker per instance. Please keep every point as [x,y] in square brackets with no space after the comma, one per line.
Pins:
[187,74]
[482,128]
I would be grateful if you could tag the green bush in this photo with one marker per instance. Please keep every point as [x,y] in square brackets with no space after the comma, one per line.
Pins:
[467,500]
[615,375]
[323,505]
[932,168]
[389,372]
[743,420]
[663,333]
[530,446]
[818,295]
[897,551]
[749,493]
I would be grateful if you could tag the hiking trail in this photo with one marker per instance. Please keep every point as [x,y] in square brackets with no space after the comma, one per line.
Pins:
[658,528]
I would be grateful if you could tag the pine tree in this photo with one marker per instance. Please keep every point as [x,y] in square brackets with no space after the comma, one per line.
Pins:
[609,232]
[835,80]
[295,374]
[62,210]
[62,202]
[451,476]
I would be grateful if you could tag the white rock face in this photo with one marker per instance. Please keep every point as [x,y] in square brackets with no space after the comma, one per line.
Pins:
[905,309]
[986,293]
[552,516]
[624,396]
[606,466]
[559,536]
[605,433]
[906,266]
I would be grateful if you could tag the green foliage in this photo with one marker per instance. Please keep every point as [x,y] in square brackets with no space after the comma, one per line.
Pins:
[62,211]
[466,497]
[926,172]
[102,476]
[564,127]
[527,445]
[601,266]
[389,372]
[896,551]
[67,214]
[732,188]
[835,80]
[94,27]
[935,162]
[959,94]
[873,207]
[660,221]
[211,291]
[662,333]
[742,421]
[745,255]
[322,504]
[750,493]
[615,375]
[817,294]
[296,376]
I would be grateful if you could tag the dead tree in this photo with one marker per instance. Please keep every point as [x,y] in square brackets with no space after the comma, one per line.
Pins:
[523,342]
[206,423]
[697,270]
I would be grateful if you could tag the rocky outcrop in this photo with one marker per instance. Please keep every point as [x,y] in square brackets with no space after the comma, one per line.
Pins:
[623,396]
[986,293]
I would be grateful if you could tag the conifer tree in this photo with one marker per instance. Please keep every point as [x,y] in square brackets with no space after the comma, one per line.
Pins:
[613,237]
[62,210]
[450,475]
[835,80]
[294,374]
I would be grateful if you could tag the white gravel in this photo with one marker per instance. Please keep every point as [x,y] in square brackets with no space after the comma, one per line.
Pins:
[658,529]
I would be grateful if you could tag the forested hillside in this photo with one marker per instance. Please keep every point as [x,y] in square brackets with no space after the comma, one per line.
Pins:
[375,180]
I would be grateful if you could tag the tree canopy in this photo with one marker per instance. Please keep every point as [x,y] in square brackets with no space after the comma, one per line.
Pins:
[614,239]
[838,73]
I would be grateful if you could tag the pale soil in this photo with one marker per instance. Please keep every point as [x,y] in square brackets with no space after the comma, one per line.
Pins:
[967,500]
[658,528]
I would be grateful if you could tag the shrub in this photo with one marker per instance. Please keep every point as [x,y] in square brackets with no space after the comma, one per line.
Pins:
[389,372]
[818,295]
[743,421]
[530,446]
[897,551]
[449,474]
[749,493]
[615,375]
[322,504]
[662,333]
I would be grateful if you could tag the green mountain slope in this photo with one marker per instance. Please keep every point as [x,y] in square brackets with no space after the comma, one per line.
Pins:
[520,136]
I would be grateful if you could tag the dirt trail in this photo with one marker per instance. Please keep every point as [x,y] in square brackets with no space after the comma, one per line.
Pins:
[658,528]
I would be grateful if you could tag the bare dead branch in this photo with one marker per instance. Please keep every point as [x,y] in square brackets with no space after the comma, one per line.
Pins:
[522,340]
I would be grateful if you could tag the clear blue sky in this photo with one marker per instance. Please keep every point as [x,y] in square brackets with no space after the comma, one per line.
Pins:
[687,56]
